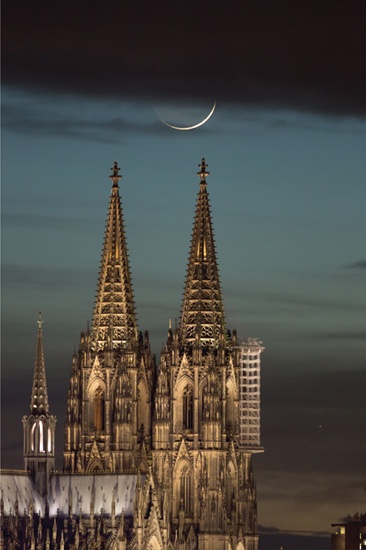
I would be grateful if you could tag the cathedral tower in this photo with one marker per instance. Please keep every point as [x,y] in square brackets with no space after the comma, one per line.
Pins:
[202,458]
[39,426]
[108,419]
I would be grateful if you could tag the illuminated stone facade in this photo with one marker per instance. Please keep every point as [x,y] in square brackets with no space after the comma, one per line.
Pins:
[108,419]
[180,425]
[196,455]
[39,426]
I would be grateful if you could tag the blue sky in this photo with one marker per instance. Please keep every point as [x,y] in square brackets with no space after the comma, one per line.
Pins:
[287,194]
[286,156]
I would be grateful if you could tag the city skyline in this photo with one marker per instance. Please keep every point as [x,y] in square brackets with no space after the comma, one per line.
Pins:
[287,192]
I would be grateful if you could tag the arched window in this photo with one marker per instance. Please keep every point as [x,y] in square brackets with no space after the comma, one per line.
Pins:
[186,493]
[49,441]
[230,407]
[33,437]
[41,445]
[187,409]
[230,488]
[99,409]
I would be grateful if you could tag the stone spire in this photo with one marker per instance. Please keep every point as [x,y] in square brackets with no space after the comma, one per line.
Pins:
[39,399]
[202,312]
[39,426]
[114,313]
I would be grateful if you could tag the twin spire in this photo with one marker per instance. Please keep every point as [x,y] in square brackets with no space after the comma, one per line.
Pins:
[114,319]
[202,318]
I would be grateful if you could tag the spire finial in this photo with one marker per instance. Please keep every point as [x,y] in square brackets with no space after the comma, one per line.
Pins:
[115,176]
[202,174]
[40,319]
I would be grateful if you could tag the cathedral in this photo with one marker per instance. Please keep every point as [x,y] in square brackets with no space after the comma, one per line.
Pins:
[156,456]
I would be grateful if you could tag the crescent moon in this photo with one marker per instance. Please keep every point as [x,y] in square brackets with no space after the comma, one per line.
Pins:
[191,127]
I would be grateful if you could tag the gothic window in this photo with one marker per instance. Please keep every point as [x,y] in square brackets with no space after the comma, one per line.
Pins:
[187,409]
[186,494]
[49,441]
[41,436]
[230,488]
[230,407]
[33,437]
[99,409]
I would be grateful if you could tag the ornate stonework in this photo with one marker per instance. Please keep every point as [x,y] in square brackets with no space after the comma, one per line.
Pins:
[39,426]
[108,419]
[197,460]
[191,426]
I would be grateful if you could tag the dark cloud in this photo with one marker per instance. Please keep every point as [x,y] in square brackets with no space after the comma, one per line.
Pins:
[361,264]
[34,122]
[355,335]
[269,541]
[44,277]
[30,121]
[314,390]
[311,422]
[263,529]
[39,221]
[301,55]
[256,121]
[290,300]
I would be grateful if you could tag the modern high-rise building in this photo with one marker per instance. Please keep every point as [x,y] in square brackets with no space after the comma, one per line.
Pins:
[350,534]
[154,457]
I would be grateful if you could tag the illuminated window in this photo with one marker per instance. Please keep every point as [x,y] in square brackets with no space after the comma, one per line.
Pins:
[33,437]
[49,441]
[41,448]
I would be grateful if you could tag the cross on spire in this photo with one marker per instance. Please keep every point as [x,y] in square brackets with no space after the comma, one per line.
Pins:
[40,320]
[202,174]
[115,176]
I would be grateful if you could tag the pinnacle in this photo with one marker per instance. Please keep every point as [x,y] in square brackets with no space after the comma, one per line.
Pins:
[114,305]
[39,399]
[202,310]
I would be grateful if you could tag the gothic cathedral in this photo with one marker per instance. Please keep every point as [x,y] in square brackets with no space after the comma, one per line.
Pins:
[181,435]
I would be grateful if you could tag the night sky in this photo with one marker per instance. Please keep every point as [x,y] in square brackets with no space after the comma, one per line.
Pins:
[84,84]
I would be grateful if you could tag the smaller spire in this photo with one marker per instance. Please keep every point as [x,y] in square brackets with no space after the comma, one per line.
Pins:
[115,176]
[39,400]
[202,174]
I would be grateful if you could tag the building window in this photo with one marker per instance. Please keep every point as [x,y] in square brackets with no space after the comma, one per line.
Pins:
[33,437]
[187,409]
[41,441]
[186,492]
[49,441]
[99,410]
